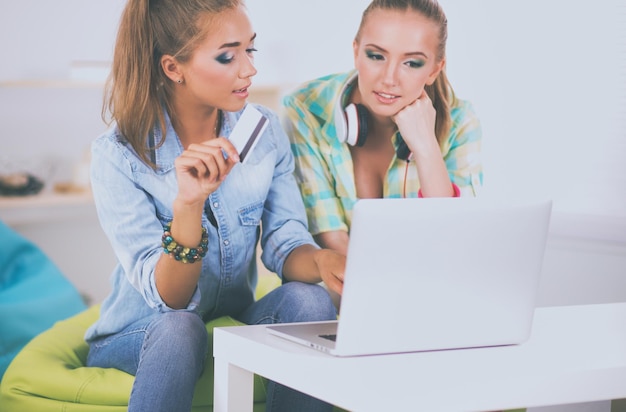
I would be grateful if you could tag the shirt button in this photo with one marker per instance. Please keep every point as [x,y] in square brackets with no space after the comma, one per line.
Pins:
[226,242]
[216,204]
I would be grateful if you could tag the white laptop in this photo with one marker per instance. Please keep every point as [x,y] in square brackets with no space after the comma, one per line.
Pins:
[433,274]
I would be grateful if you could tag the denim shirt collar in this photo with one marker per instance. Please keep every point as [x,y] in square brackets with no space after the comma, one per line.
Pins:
[164,155]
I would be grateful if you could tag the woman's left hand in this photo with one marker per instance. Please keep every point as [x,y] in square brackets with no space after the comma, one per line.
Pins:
[310,264]
[332,266]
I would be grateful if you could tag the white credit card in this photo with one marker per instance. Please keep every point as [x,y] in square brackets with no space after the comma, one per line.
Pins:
[248,131]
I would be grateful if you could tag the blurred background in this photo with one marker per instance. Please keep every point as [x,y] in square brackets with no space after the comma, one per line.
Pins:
[547,78]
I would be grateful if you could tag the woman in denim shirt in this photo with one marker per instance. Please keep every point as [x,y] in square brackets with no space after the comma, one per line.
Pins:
[165,176]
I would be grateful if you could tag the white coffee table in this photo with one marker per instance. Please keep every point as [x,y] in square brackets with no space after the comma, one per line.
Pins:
[575,354]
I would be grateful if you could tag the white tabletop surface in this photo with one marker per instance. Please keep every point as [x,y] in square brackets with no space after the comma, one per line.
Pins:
[575,354]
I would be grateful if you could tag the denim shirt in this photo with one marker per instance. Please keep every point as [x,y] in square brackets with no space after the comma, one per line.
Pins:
[134,201]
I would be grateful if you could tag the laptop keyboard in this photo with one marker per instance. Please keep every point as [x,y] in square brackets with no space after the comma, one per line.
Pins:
[329,337]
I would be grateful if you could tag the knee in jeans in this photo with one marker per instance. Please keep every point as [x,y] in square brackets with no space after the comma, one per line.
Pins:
[185,331]
[313,302]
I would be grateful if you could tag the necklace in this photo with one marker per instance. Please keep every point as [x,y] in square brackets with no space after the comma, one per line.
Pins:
[218,124]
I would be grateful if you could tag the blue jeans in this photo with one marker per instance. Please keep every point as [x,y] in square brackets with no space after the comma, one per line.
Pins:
[166,351]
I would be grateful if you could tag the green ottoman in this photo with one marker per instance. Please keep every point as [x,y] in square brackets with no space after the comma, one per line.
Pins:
[49,374]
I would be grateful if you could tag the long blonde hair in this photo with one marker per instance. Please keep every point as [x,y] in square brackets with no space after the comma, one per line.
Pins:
[137,89]
[440,92]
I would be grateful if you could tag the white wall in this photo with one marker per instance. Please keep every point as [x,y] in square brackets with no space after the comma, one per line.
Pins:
[548,78]
[43,38]
[40,38]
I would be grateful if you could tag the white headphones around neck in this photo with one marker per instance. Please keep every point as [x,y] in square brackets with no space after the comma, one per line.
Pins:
[351,124]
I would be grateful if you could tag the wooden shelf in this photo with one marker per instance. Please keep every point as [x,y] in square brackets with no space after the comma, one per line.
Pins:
[46,207]
[265,94]
[51,84]
[78,83]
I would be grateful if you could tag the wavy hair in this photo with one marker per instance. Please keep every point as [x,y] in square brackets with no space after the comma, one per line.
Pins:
[137,88]
[440,92]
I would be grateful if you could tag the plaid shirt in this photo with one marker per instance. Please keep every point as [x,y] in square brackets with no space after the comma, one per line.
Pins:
[323,164]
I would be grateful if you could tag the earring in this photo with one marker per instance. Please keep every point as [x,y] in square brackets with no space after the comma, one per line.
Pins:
[179,81]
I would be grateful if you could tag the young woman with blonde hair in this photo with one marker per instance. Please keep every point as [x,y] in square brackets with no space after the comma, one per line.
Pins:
[392,127]
[183,215]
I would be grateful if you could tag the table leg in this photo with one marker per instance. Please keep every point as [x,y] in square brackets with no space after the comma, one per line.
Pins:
[234,388]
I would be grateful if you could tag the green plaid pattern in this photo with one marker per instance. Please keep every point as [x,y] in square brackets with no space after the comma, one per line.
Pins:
[323,164]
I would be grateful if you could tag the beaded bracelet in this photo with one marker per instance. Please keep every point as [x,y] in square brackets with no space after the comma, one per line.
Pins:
[182,253]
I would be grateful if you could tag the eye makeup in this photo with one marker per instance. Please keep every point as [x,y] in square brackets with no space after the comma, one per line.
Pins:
[228,57]
[415,64]
[373,55]
[225,58]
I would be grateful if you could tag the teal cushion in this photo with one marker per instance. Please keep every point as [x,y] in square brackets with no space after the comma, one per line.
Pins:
[33,294]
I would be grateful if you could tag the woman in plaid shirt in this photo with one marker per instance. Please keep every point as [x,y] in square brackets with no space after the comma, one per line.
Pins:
[392,127]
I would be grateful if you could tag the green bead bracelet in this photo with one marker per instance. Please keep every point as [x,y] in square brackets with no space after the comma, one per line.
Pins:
[181,253]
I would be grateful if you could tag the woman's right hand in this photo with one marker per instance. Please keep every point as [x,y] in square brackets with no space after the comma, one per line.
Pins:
[202,168]
[416,123]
